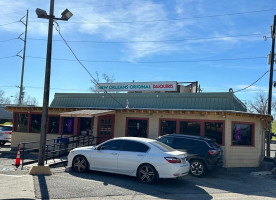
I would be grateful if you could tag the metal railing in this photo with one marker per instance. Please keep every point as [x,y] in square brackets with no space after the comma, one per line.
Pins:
[55,148]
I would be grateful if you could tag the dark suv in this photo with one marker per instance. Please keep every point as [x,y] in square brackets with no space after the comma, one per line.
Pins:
[203,153]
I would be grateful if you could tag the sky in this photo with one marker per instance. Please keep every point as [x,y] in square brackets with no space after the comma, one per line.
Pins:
[219,43]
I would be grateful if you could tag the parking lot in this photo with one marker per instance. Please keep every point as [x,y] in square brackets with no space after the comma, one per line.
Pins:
[62,184]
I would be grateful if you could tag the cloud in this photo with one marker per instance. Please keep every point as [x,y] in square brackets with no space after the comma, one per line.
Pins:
[98,19]
[131,26]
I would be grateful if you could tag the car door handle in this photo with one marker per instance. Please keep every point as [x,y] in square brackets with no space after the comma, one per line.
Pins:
[114,153]
[140,155]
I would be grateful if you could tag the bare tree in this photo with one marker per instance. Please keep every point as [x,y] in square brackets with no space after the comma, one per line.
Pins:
[106,79]
[3,99]
[27,99]
[260,104]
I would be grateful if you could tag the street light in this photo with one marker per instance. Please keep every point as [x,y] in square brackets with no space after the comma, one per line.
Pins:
[66,14]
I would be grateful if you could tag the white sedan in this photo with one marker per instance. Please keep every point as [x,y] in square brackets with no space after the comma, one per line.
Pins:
[142,157]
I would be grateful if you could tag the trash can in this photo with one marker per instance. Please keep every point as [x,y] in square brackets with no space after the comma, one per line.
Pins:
[63,145]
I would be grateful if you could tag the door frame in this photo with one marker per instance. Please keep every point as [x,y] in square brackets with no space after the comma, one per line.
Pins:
[112,117]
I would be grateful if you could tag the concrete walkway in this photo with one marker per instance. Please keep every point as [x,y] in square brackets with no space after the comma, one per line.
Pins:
[16,187]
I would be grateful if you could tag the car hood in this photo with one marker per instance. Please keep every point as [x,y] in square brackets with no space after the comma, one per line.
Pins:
[83,148]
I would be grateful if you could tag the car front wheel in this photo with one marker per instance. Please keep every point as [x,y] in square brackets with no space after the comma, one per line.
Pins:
[147,173]
[197,168]
[80,164]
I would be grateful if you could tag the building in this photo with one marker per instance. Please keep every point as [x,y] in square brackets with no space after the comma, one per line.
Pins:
[5,116]
[217,115]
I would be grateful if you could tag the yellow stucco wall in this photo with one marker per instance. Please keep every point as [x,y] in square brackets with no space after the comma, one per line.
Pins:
[234,156]
[18,137]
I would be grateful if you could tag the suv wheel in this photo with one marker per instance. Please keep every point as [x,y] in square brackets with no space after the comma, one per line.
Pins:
[197,168]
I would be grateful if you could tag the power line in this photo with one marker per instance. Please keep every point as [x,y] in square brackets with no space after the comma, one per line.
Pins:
[166,20]
[9,23]
[152,41]
[154,62]
[7,57]
[157,20]
[9,40]
[93,79]
[252,83]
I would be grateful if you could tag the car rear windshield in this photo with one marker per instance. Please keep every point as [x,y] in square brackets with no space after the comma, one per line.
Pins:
[162,147]
[5,128]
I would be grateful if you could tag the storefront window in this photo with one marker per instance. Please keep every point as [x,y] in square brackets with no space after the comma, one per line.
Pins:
[168,127]
[68,125]
[190,128]
[35,123]
[105,129]
[214,130]
[242,134]
[21,122]
[53,124]
[85,126]
[137,128]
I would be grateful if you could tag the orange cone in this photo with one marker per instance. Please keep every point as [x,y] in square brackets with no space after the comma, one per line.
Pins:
[17,160]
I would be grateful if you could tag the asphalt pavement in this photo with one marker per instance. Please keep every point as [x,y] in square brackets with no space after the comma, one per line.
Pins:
[220,184]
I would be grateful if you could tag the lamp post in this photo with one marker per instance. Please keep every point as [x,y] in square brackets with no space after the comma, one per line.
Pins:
[66,14]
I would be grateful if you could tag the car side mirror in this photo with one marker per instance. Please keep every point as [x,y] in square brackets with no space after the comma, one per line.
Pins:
[101,148]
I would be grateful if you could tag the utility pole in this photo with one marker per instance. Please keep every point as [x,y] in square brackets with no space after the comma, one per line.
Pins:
[44,117]
[66,14]
[270,83]
[20,98]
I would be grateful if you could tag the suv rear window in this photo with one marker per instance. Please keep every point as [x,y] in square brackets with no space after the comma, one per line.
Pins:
[213,144]
[162,147]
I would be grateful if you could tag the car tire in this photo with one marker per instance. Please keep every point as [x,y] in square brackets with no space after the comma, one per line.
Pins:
[146,173]
[197,168]
[2,143]
[80,164]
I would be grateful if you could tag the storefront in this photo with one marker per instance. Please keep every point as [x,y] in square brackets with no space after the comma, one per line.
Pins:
[216,115]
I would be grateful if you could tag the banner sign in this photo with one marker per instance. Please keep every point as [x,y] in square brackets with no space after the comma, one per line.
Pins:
[138,86]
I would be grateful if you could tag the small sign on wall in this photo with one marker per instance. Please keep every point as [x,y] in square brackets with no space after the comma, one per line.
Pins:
[238,133]
[69,125]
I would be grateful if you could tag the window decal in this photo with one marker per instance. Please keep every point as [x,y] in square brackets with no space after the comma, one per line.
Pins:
[69,127]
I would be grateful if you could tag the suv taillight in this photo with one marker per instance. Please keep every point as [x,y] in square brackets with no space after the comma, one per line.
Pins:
[173,160]
[213,152]
[8,132]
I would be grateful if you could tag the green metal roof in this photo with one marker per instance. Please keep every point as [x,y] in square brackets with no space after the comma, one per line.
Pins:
[163,101]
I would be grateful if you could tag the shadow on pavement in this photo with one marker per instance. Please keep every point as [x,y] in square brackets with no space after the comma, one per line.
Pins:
[163,188]
[44,192]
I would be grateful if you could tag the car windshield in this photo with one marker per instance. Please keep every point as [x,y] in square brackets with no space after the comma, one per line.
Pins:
[162,147]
